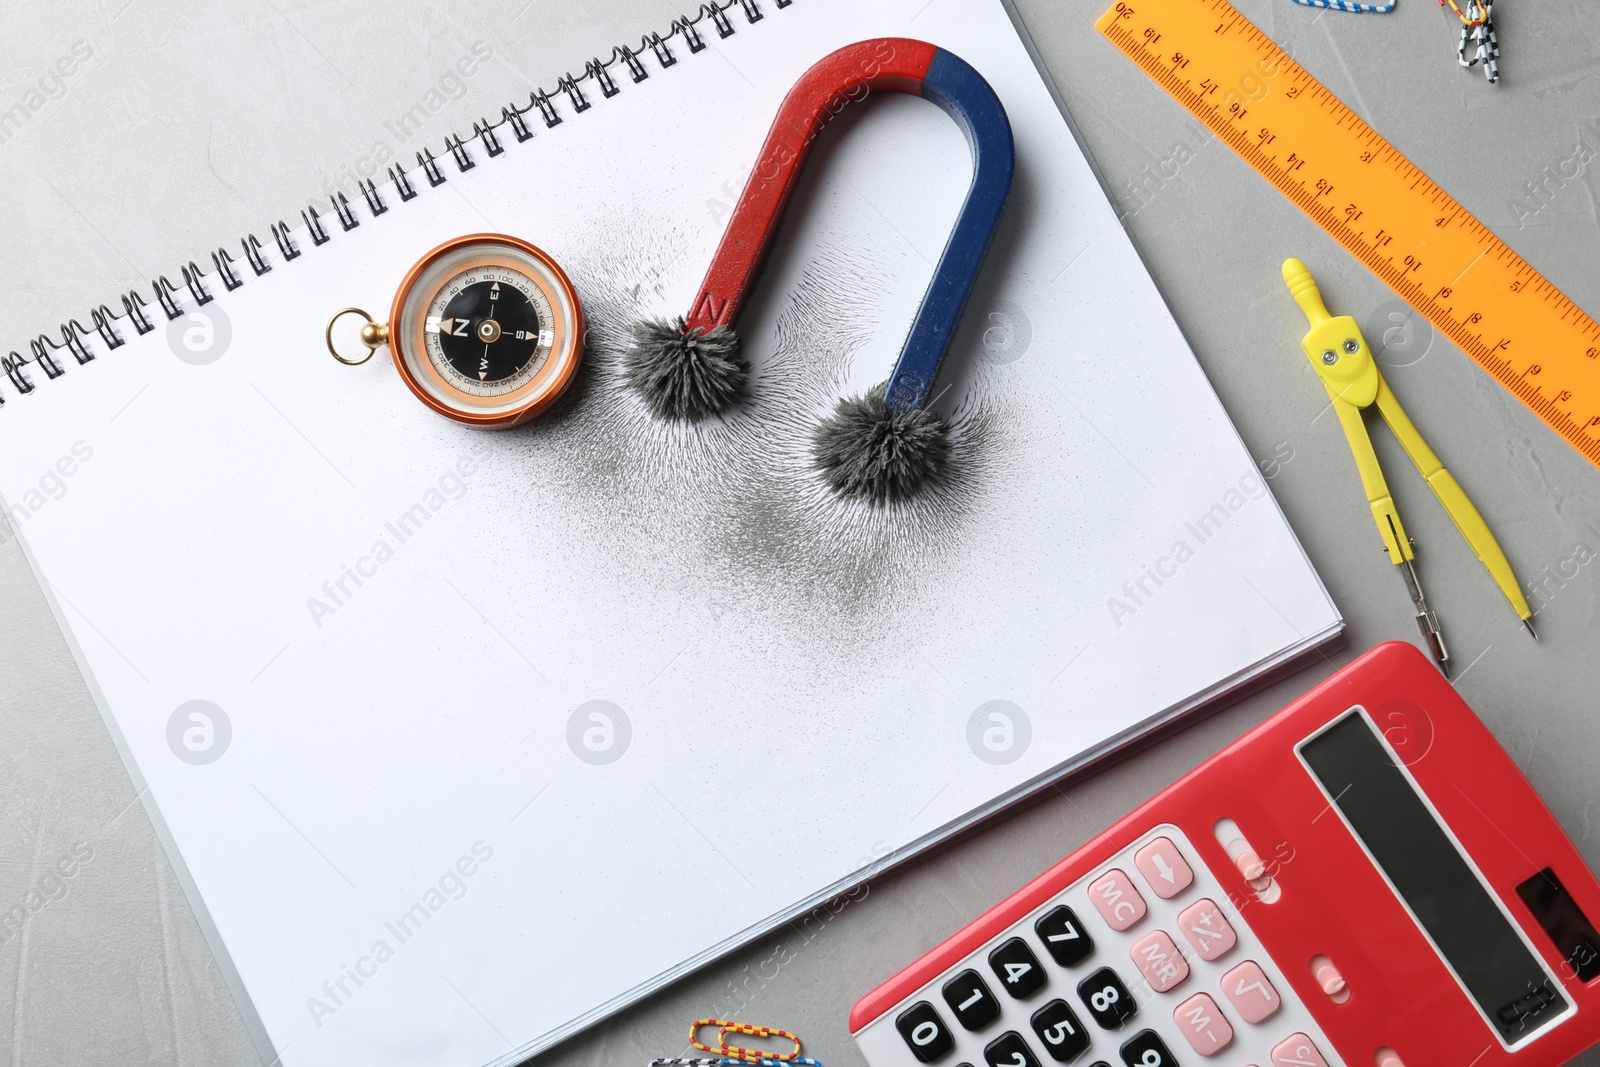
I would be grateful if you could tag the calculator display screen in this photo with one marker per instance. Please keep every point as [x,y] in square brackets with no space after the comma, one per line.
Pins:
[1433,878]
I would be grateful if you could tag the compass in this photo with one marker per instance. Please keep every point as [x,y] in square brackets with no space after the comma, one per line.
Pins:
[485,329]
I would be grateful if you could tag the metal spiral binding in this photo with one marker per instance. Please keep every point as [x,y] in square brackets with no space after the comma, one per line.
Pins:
[164,290]
[41,355]
[74,333]
[191,278]
[541,100]
[569,85]
[224,264]
[402,184]
[430,167]
[286,244]
[691,36]
[458,150]
[133,309]
[635,66]
[252,252]
[600,76]
[519,126]
[13,365]
[347,217]
[319,236]
[664,54]
[484,131]
[369,193]
[102,317]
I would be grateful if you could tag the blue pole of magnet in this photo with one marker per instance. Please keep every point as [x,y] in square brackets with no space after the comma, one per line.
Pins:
[964,94]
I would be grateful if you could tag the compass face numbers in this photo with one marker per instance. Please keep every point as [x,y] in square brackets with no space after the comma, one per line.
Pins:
[487,330]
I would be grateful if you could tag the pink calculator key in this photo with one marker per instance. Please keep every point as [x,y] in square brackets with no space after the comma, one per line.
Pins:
[1250,991]
[1205,927]
[1114,897]
[1164,867]
[1159,960]
[1298,1051]
[1202,1023]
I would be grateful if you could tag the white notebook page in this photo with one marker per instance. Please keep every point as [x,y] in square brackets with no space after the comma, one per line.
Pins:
[398,799]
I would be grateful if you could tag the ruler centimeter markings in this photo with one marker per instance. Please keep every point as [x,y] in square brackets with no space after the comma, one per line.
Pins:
[1373,201]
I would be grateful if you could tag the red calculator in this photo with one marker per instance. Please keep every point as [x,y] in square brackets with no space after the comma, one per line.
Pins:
[1364,880]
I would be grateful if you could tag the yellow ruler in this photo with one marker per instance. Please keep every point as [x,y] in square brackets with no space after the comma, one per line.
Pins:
[1375,202]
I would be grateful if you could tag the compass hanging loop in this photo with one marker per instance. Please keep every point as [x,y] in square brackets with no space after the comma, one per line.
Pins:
[692,368]
[374,335]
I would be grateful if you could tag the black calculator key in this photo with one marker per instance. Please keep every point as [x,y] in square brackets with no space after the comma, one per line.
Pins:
[1017,968]
[1009,1050]
[970,999]
[923,1030]
[1063,1036]
[1064,936]
[1146,1049]
[1107,999]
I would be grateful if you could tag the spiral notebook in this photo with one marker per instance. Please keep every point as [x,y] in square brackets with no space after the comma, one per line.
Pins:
[461,741]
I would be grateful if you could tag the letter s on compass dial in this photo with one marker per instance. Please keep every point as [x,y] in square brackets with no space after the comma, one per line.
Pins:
[485,329]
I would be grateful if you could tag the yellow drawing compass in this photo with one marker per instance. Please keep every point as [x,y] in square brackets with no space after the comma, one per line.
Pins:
[1341,358]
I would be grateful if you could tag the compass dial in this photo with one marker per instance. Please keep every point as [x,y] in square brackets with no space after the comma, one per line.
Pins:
[488,330]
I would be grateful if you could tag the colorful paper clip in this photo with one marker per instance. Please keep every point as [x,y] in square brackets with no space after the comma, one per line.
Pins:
[737,1054]
[752,1055]
[1350,5]
[1478,36]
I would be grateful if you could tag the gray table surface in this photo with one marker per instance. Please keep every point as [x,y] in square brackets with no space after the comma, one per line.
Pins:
[191,124]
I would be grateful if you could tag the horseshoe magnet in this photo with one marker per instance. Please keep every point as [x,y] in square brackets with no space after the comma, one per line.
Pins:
[882,446]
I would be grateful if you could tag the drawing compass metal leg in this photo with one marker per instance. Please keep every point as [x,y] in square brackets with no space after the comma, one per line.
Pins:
[1427,621]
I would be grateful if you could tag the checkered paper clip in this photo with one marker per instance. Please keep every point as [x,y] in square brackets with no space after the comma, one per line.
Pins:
[1478,37]
[1350,5]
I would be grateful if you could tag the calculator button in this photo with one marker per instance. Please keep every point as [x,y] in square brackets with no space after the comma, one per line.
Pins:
[1114,897]
[970,999]
[1298,1051]
[1146,1049]
[1009,1050]
[924,1032]
[1205,927]
[1064,936]
[1107,999]
[1017,968]
[1063,1036]
[1202,1023]
[1164,867]
[1159,960]
[1250,992]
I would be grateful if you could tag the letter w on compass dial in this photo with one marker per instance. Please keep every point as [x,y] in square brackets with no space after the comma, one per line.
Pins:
[488,332]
